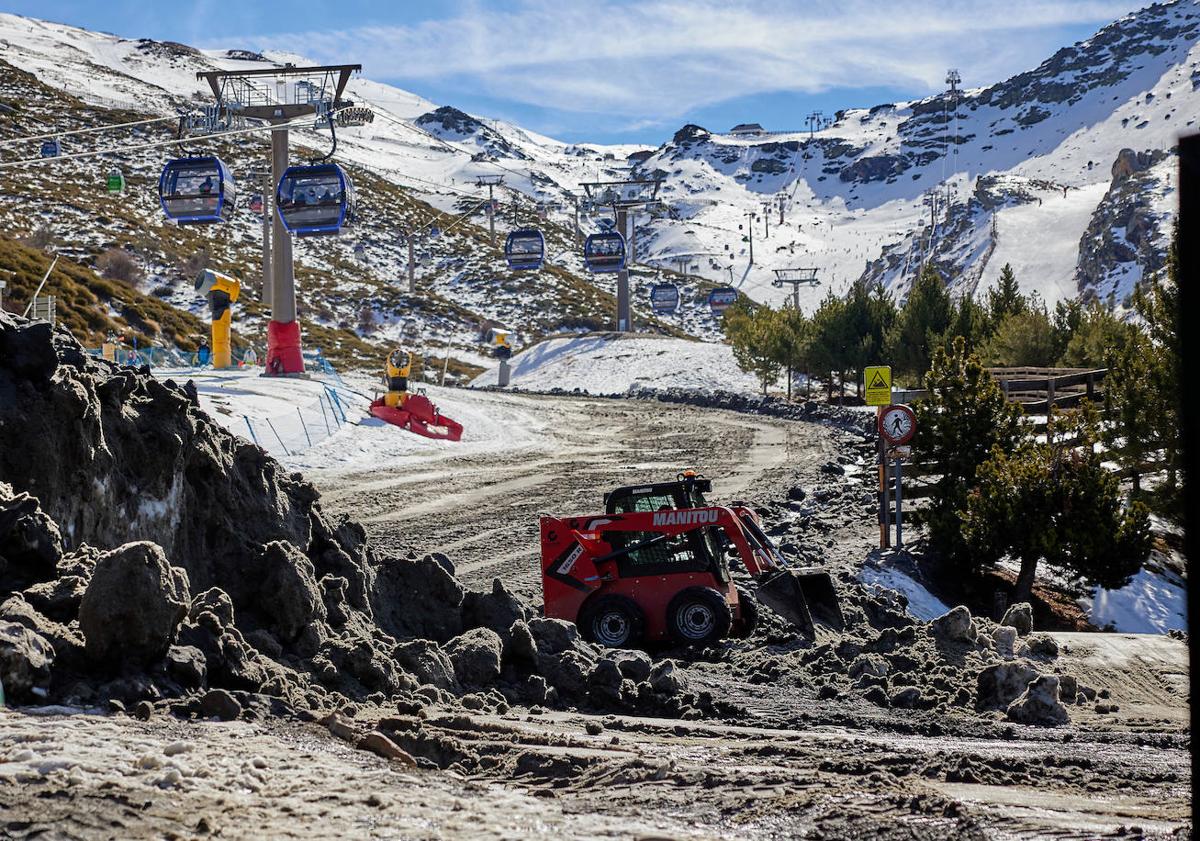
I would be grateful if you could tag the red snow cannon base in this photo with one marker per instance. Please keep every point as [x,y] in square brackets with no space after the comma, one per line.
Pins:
[419,415]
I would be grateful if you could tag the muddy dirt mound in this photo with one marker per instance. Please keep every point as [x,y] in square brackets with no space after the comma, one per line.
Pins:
[147,553]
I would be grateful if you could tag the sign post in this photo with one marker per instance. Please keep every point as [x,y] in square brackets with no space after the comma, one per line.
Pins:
[897,423]
[877,382]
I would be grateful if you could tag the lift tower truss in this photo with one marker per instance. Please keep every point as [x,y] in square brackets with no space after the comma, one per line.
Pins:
[795,278]
[625,198]
[277,96]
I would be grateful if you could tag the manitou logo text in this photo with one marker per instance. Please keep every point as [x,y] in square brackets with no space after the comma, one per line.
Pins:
[686,518]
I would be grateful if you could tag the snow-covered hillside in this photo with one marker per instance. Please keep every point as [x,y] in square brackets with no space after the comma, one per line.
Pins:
[1062,171]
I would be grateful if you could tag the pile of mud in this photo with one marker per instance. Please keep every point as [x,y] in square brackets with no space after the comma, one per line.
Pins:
[148,555]
[758,404]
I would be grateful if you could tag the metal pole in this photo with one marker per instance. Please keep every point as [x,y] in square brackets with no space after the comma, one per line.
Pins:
[412,267]
[277,438]
[491,216]
[633,238]
[268,211]
[624,305]
[899,508]
[504,375]
[283,302]
[750,234]
[45,277]
[304,426]
[881,461]
[445,365]
[575,201]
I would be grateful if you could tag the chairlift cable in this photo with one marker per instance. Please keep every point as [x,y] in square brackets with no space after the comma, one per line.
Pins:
[158,144]
[30,137]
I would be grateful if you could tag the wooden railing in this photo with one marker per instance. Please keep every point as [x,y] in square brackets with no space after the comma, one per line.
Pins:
[1036,389]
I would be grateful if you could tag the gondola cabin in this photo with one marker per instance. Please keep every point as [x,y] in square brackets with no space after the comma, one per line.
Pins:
[525,249]
[604,252]
[256,204]
[664,297]
[721,299]
[197,191]
[51,148]
[315,200]
[115,183]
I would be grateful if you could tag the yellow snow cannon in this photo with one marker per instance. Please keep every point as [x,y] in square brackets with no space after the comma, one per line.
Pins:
[222,292]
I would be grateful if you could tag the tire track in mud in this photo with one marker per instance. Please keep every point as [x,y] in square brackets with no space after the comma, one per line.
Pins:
[482,510]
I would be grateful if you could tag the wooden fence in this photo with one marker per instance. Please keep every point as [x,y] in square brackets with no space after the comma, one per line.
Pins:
[1036,389]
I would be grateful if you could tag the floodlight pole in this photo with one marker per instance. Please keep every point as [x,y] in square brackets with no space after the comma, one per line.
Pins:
[624,303]
[268,213]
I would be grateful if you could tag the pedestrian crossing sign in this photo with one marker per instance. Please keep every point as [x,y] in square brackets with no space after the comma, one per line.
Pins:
[877,380]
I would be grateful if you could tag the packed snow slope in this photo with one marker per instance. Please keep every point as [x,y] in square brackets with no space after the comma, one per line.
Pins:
[1062,171]
[612,363]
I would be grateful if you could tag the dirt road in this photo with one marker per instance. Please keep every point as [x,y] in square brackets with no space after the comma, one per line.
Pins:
[786,761]
[482,511]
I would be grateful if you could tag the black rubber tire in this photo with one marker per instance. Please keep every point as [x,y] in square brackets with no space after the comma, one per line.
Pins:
[612,621]
[698,616]
[748,620]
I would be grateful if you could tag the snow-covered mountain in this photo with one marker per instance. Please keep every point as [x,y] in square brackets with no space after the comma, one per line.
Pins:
[1063,171]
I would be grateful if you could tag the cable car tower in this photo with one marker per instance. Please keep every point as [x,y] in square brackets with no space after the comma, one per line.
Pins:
[623,197]
[795,278]
[278,95]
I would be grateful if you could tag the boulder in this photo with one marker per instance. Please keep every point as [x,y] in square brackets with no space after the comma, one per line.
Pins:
[476,656]
[417,598]
[426,661]
[25,662]
[290,597]
[497,610]
[217,703]
[1039,704]
[30,543]
[133,605]
[1042,645]
[519,648]
[1019,616]
[566,672]
[997,686]
[955,625]
[554,636]
[907,698]
[634,665]
[667,678]
[867,664]
[604,683]
[1005,640]
[186,664]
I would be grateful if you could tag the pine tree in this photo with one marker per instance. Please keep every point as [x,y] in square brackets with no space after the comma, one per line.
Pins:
[1056,502]
[959,424]
[752,331]
[1005,297]
[920,325]
[1024,338]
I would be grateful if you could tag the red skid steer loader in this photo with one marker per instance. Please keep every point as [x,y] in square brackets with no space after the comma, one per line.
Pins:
[654,568]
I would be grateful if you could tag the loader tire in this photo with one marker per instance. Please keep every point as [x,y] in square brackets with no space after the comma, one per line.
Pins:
[698,616]
[748,620]
[612,621]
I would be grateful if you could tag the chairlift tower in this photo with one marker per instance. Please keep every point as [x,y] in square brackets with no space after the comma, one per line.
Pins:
[795,278]
[953,80]
[491,182]
[277,96]
[624,197]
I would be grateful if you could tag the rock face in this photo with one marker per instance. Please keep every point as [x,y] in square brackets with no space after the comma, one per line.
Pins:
[133,605]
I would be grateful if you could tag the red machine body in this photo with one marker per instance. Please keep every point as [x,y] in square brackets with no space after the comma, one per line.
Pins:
[654,568]
[418,414]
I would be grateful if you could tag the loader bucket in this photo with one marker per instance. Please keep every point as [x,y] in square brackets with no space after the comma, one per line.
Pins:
[800,597]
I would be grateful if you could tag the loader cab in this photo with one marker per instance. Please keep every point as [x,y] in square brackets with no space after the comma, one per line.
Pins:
[684,492]
[702,550]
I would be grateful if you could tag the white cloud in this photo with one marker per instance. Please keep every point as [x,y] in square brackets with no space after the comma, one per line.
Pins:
[663,58]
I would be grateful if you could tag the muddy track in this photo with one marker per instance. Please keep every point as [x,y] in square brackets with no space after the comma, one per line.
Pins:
[483,511]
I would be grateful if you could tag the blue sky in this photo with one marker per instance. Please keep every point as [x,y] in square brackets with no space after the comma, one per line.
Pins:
[630,70]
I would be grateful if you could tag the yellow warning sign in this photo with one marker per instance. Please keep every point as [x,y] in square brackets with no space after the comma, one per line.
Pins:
[878,382]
